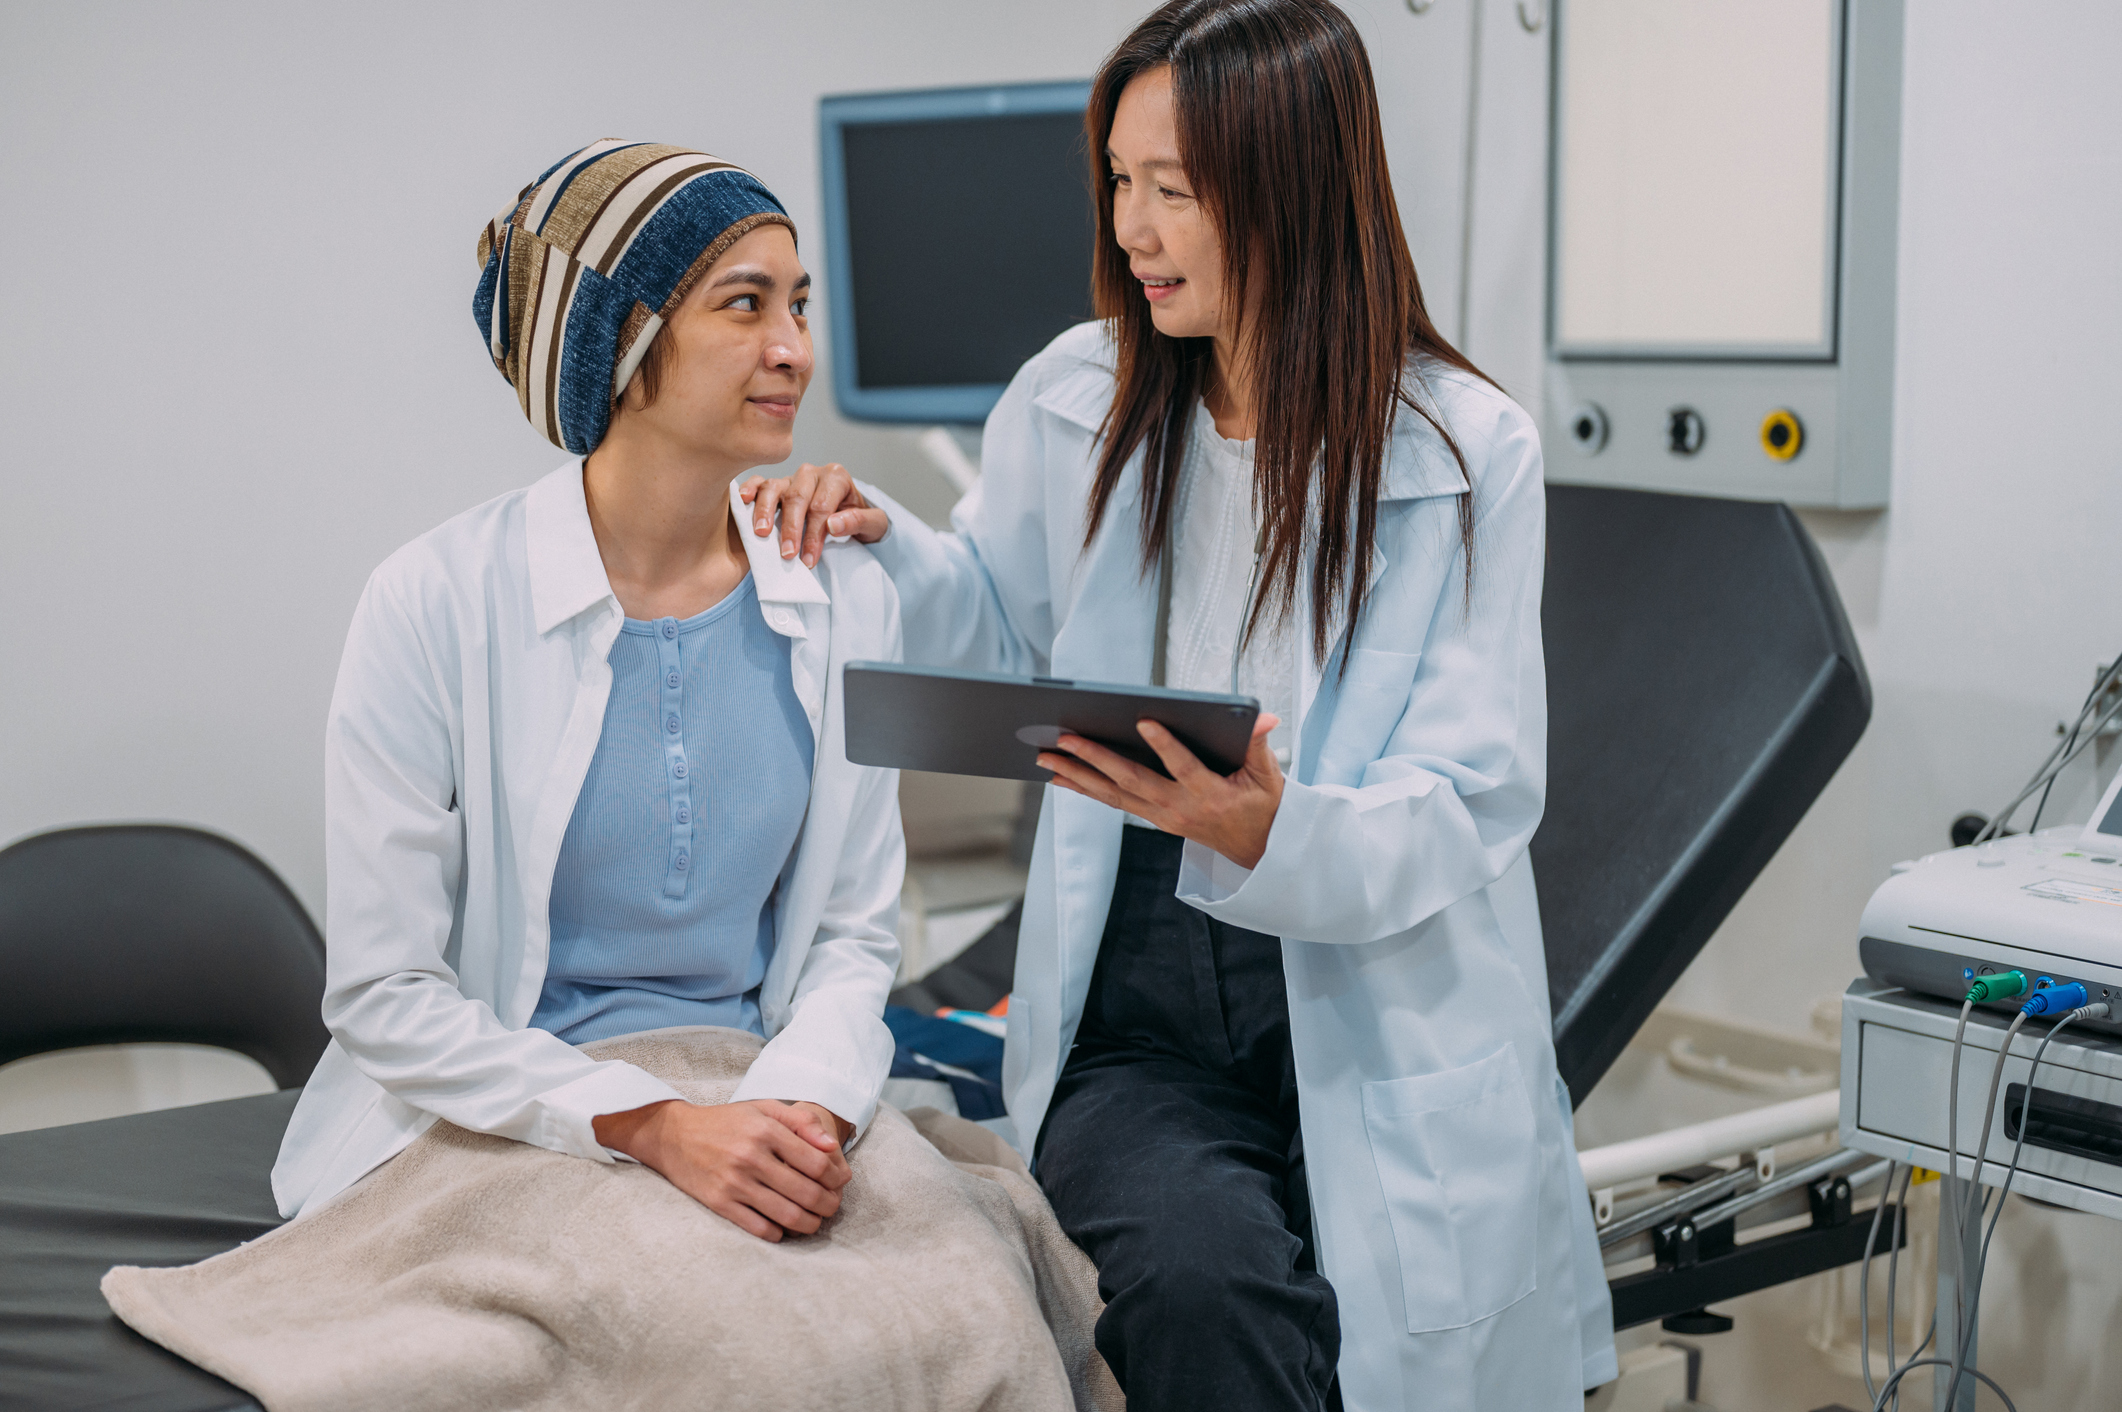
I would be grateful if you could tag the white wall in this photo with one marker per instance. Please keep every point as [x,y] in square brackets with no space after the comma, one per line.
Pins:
[239,367]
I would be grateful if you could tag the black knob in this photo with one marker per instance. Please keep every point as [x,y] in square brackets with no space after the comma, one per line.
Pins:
[1684,431]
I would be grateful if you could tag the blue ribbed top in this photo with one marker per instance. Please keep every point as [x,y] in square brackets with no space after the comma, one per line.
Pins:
[663,900]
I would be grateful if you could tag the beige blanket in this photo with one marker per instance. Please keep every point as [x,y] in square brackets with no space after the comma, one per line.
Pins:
[474,1272]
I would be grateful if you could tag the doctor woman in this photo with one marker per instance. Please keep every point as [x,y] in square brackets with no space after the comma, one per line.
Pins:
[1280,1042]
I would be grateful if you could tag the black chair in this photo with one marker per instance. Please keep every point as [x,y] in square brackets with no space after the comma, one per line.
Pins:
[1703,686]
[148,933]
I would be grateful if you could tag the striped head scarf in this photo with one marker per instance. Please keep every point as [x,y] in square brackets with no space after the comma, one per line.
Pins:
[579,272]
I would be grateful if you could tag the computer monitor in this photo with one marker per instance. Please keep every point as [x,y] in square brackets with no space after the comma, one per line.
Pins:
[958,230]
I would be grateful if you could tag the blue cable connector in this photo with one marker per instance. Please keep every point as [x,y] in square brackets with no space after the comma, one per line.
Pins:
[2055,1000]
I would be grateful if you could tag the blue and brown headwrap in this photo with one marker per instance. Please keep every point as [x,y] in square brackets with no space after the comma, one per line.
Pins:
[580,271]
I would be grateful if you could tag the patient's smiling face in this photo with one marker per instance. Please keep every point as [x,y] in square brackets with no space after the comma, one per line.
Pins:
[737,360]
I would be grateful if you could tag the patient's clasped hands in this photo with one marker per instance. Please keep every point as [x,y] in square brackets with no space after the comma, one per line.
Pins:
[767,1166]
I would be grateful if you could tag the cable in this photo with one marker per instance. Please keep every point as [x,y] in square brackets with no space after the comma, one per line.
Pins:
[1929,1333]
[1893,1263]
[2097,1010]
[2068,741]
[1968,1296]
[1893,1383]
[2065,751]
[1871,1243]
[1951,1194]
[2004,986]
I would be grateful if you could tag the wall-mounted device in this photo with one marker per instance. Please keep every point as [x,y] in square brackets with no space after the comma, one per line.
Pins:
[999,177]
[1722,207]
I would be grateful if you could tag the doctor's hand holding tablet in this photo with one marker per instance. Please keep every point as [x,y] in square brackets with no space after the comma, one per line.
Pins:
[1224,806]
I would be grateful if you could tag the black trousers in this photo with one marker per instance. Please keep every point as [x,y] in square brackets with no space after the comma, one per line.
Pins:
[1172,1156]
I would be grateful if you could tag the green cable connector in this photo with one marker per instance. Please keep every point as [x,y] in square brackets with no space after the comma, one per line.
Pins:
[1998,987]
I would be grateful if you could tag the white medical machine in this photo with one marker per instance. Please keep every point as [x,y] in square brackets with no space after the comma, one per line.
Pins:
[1975,961]
[2047,906]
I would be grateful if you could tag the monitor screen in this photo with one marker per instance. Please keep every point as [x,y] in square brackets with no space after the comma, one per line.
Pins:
[960,243]
[1696,167]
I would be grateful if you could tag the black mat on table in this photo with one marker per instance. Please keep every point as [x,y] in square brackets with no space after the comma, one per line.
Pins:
[163,1188]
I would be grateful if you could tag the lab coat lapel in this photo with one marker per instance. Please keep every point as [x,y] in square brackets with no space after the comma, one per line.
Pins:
[1107,637]
[794,605]
[1417,466]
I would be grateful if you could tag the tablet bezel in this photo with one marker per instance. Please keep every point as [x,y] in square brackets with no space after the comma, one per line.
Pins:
[973,723]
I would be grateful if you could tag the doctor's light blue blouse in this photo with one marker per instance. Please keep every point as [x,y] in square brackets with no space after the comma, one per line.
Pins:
[663,900]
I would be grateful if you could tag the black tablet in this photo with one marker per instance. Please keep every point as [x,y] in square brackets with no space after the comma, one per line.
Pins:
[983,723]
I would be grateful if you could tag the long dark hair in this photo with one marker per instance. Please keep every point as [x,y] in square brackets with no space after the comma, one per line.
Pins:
[1278,129]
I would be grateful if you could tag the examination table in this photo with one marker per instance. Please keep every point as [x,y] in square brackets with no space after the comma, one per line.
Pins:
[163,1188]
[1703,684]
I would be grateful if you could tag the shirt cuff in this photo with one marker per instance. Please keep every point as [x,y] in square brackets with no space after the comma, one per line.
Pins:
[771,1076]
[568,1123]
[1256,898]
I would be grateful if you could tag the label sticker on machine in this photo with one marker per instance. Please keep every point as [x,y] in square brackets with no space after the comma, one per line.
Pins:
[2064,891]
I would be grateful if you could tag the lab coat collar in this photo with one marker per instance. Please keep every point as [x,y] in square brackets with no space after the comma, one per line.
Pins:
[567,573]
[777,580]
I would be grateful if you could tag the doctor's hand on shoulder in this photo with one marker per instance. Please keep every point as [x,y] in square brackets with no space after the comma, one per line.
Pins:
[815,502]
[764,1165]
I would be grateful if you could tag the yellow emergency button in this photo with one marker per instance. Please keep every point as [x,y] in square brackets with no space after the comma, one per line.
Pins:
[1782,434]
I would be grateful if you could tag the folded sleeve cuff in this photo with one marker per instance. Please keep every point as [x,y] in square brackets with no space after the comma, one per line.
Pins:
[1256,898]
[567,1123]
[794,1080]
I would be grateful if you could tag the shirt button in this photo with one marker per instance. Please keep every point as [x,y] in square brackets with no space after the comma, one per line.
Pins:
[671,725]
[683,860]
[685,816]
[671,681]
[670,627]
[678,769]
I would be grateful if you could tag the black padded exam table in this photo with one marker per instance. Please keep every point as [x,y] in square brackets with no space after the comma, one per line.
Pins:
[164,1188]
[1703,686]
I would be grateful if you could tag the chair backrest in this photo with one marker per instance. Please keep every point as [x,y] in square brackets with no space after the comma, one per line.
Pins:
[148,933]
[1703,685]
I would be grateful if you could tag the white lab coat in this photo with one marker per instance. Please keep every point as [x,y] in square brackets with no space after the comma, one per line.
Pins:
[1450,1211]
[470,699]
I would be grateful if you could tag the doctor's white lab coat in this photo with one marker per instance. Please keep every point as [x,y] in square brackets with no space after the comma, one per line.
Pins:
[470,699]
[1451,1214]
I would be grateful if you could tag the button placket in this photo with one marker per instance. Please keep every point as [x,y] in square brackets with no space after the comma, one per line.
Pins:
[671,700]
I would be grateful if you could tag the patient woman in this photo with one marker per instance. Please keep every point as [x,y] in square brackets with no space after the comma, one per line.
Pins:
[584,766]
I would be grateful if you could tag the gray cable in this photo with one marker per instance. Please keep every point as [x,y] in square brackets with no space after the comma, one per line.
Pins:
[2097,1010]
[2066,750]
[1871,1243]
[1893,1384]
[1952,1149]
[1893,1267]
[1970,1296]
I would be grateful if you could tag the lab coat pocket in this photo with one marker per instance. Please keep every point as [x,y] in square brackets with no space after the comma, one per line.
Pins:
[1458,1160]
